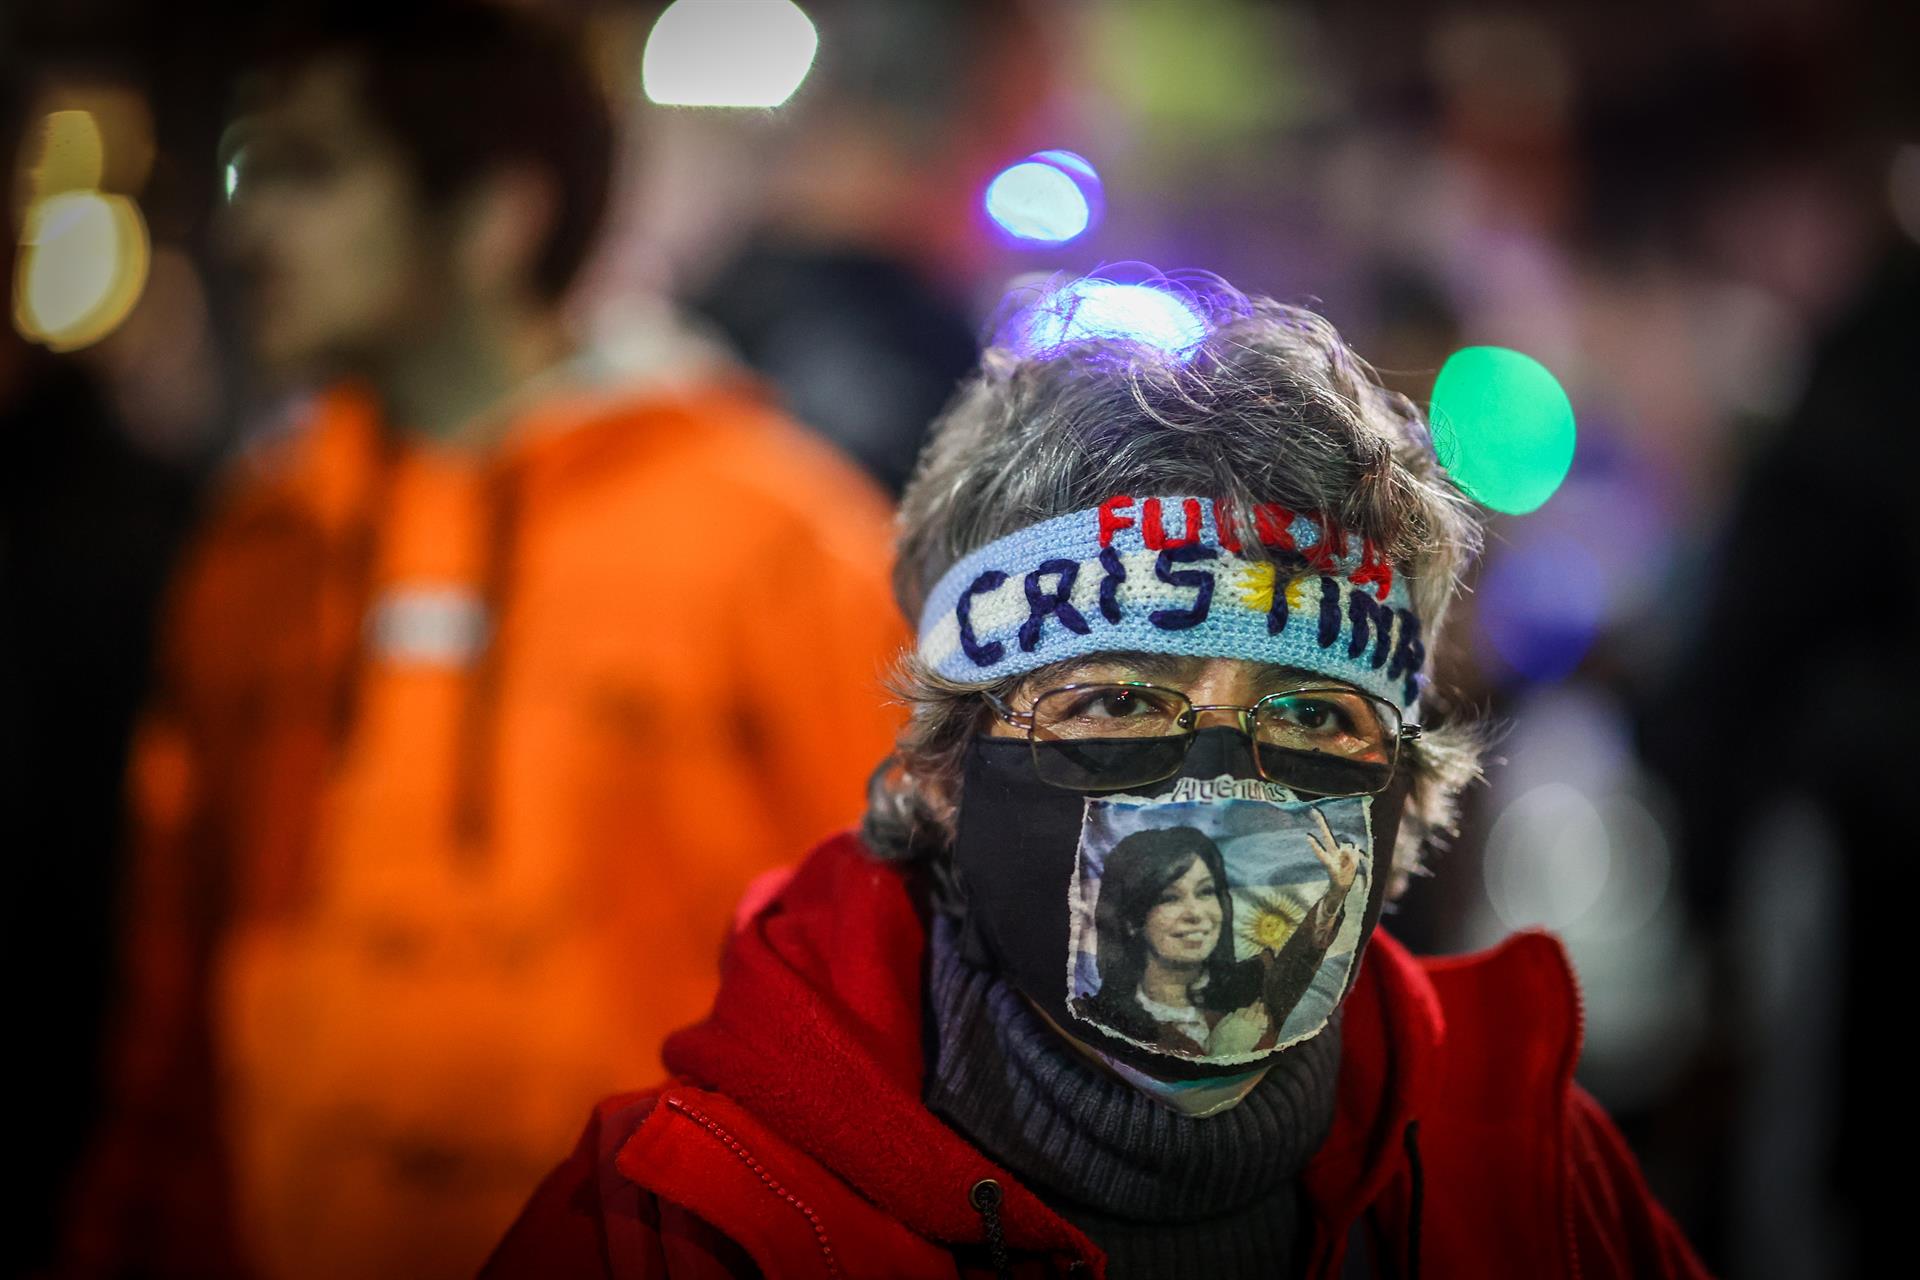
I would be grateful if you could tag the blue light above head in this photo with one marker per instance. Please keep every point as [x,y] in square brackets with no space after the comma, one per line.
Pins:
[1094,309]
[1047,199]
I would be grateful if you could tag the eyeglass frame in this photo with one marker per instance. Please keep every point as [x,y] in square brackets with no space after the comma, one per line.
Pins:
[1027,721]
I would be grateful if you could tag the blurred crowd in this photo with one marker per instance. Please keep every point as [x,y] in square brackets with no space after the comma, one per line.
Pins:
[443,472]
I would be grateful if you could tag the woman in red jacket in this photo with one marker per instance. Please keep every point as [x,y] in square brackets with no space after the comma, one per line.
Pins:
[1176,583]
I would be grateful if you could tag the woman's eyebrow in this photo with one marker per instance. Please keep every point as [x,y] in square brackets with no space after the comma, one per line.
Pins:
[1175,668]
[1274,677]
[1161,666]
[1155,666]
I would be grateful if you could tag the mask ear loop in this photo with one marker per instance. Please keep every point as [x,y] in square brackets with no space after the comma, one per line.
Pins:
[1383,829]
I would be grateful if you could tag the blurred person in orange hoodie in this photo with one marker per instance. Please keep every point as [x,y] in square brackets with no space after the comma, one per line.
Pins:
[485,690]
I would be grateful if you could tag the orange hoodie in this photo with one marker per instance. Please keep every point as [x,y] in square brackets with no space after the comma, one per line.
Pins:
[460,763]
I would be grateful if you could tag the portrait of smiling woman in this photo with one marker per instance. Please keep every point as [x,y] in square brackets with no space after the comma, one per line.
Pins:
[1169,972]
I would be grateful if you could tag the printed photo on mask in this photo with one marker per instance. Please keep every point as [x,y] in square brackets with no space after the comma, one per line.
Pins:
[1218,930]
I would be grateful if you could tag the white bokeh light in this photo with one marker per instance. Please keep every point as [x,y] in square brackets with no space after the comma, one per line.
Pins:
[83,263]
[728,53]
[1548,858]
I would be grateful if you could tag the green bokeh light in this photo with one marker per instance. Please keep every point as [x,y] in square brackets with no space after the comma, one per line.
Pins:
[1503,427]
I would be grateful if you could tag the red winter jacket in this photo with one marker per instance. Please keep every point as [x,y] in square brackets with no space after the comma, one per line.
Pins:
[793,1139]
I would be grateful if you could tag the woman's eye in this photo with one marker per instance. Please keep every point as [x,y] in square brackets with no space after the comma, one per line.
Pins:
[1112,704]
[1314,715]
[1102,709]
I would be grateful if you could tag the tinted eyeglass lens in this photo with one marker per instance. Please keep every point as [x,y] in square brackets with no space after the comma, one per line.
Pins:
[1108,736]
[1310,772]
[1327,741]
[1108,764]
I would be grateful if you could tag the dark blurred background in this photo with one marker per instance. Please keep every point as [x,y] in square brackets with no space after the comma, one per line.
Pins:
[1702,218]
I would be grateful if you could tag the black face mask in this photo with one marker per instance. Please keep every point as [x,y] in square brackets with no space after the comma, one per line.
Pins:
[1032,858]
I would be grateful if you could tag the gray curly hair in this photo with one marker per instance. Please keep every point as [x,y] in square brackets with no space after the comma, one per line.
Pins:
[1270,405]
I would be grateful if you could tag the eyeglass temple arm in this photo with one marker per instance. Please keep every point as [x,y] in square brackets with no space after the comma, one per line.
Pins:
[1018,719]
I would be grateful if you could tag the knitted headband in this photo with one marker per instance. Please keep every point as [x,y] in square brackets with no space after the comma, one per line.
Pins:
[1166,575]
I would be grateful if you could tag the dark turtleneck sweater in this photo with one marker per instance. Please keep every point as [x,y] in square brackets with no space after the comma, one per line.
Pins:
[1163,1194]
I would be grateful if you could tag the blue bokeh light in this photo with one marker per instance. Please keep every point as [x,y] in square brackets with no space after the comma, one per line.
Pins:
[1090,308]
[1069,162]
[1047,199]
[1036,202]
[1542,604]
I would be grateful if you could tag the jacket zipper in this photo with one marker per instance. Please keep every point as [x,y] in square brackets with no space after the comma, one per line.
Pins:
[772,1183]
[1416,1206]
[985,1197]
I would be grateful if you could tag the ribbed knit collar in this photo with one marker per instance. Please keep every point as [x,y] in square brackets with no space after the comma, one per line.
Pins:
[1102,1153]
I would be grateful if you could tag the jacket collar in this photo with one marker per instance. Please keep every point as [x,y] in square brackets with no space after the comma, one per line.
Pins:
[817,1033]
[817,1039]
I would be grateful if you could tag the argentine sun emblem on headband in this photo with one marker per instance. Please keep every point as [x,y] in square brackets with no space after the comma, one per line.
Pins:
[1169,575]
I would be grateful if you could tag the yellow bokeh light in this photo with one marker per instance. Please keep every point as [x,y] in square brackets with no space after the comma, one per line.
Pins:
[73,154]
[83,262]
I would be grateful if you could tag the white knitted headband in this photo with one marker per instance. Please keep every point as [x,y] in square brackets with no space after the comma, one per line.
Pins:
[1167,575]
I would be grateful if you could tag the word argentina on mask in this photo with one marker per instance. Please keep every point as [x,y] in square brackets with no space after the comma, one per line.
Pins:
[1174,575]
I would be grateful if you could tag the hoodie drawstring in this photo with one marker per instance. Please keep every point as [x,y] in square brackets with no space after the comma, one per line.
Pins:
[480,717]
[985,1198]
[1416,1201]
[479,720]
